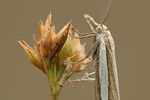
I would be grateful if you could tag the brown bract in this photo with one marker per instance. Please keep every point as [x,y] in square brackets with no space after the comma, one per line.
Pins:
[33,56]
[51,46]
[54,53]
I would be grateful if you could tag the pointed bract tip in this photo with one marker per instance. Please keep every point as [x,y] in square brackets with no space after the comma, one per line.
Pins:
[19,42]
[50,14]
[21,39]
[40,22]
[70,22]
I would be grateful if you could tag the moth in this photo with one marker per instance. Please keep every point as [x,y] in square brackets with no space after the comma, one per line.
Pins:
[107,86]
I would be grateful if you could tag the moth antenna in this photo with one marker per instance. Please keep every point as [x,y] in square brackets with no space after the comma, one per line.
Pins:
[107,11]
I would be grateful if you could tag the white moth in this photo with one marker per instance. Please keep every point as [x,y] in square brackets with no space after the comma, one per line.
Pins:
[107,87]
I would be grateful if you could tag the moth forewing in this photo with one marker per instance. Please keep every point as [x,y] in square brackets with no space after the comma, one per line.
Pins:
[97,79]
[103,71]
[95,53]
[112,69]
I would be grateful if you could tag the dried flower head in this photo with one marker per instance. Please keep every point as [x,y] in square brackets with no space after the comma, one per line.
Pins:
[52,50]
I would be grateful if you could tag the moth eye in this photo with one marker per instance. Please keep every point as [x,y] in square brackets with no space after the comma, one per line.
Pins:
[98,29]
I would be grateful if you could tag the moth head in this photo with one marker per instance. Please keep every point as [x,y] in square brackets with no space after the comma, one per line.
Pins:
[100,28]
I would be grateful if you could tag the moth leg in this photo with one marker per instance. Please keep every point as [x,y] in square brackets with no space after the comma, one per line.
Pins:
[83,34]
[87,56]
[86,36]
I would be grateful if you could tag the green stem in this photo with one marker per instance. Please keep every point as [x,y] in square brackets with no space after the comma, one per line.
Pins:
[54,96]
[54,88]
[54,92]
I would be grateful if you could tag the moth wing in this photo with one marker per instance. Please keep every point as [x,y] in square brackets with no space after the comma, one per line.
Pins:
[103,71]
[95,53]
[112,68]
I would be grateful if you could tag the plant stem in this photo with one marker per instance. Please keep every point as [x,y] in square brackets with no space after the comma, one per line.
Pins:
[55,88]
[54,96]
